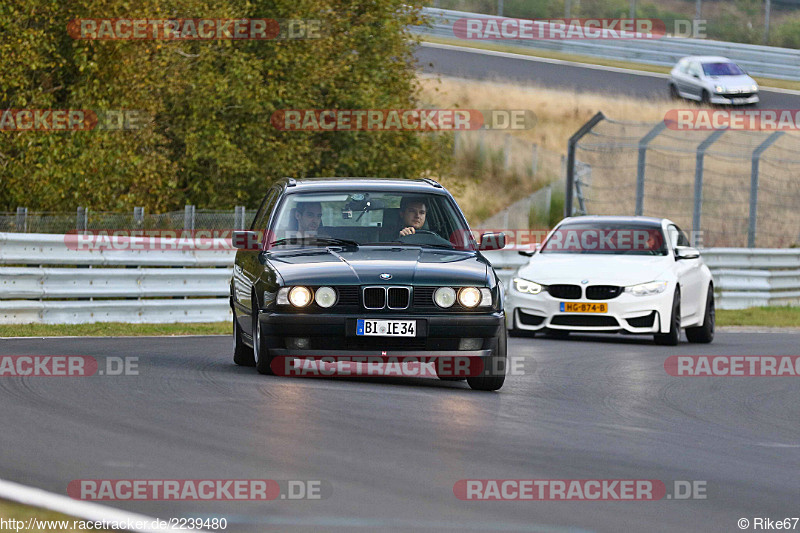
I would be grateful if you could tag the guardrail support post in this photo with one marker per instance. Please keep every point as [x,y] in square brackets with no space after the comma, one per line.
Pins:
[571,146]
[239,217]
[22,219]
[82,219]
[642,163]
[751,229]
[188,217]
[698,178]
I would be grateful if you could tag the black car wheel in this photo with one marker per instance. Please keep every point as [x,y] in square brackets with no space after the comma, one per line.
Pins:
[673,92]
[705,97]
[673,336]
[242,354]
[260,350]
[705,333]
[494,366]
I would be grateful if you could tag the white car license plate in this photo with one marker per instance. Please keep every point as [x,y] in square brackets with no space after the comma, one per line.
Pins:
[739,100]
[386,328]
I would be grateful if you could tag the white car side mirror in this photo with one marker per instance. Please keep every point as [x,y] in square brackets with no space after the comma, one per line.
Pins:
[686,252]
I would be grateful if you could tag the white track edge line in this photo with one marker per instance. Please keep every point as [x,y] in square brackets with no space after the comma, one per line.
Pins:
[89,511]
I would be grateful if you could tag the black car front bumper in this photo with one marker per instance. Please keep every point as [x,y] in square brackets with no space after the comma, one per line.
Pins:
[327,334]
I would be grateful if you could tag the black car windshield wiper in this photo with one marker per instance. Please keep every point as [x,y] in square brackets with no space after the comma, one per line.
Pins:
[314,241]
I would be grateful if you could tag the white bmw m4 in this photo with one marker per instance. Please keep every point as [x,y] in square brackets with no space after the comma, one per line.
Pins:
[609,274]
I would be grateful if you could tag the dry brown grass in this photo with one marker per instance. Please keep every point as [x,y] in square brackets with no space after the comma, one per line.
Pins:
[669,190]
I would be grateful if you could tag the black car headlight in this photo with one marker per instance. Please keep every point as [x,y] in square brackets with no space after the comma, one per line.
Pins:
[297,296]
[325,297]
[469,297]
[444,297]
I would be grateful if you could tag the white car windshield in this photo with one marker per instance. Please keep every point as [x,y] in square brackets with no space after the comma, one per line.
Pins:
[722,69]
[610,238]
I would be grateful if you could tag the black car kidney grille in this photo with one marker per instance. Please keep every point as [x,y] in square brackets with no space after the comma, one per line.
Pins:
[603,292]
[374,297]
[398,297]
[565,292]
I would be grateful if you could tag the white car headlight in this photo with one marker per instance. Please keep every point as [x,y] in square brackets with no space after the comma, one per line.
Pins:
[646,289]
[300,296]
[719,89]
[754,88]
[528,287]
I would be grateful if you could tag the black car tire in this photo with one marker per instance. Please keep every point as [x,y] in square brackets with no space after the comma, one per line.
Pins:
[673,336]
[705,97]
[260,348]
[494,366]
[242,354]
[705,333]
[673,92]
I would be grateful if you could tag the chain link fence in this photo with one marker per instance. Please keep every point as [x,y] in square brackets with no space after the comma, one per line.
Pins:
[190,218]
[730,188]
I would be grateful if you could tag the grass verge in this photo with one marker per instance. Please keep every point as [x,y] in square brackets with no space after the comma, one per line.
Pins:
[59,522]
[775,316]
[778,316]
[104,329]
[549,54]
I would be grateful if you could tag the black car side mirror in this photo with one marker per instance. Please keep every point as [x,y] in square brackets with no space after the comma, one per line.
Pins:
[492,241]
[246,240]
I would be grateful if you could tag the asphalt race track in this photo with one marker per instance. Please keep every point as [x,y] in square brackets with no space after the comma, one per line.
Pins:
[591,407]
[485,65]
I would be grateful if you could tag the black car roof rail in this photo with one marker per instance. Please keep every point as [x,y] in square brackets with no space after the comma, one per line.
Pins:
[432,182]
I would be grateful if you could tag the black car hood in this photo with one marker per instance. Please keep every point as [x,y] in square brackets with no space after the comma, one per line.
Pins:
[363,266]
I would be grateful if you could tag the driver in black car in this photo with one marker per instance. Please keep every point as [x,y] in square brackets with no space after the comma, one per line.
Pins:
[412,215]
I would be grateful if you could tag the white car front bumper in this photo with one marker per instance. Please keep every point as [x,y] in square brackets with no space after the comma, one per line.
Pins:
[734,100]
[626,312]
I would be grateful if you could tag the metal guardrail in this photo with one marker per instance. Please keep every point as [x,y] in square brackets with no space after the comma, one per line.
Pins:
[102,291]
[149,294]
[767,61]
[743,277]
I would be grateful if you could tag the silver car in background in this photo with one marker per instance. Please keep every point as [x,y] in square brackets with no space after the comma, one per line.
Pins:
[712,80]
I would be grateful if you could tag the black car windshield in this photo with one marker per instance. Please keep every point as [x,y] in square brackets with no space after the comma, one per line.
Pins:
[365,218]
[722,69]
[609,238]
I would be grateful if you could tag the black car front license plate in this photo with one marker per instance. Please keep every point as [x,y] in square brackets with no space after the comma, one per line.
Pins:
[386,328]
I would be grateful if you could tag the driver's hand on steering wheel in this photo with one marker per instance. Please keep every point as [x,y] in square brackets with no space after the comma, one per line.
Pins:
[407,231]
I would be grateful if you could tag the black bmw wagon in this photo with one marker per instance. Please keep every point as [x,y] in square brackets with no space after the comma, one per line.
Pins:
[366,267]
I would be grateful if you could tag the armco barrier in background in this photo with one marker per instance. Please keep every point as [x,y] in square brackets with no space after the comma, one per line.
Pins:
[60,293]
[768,61]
